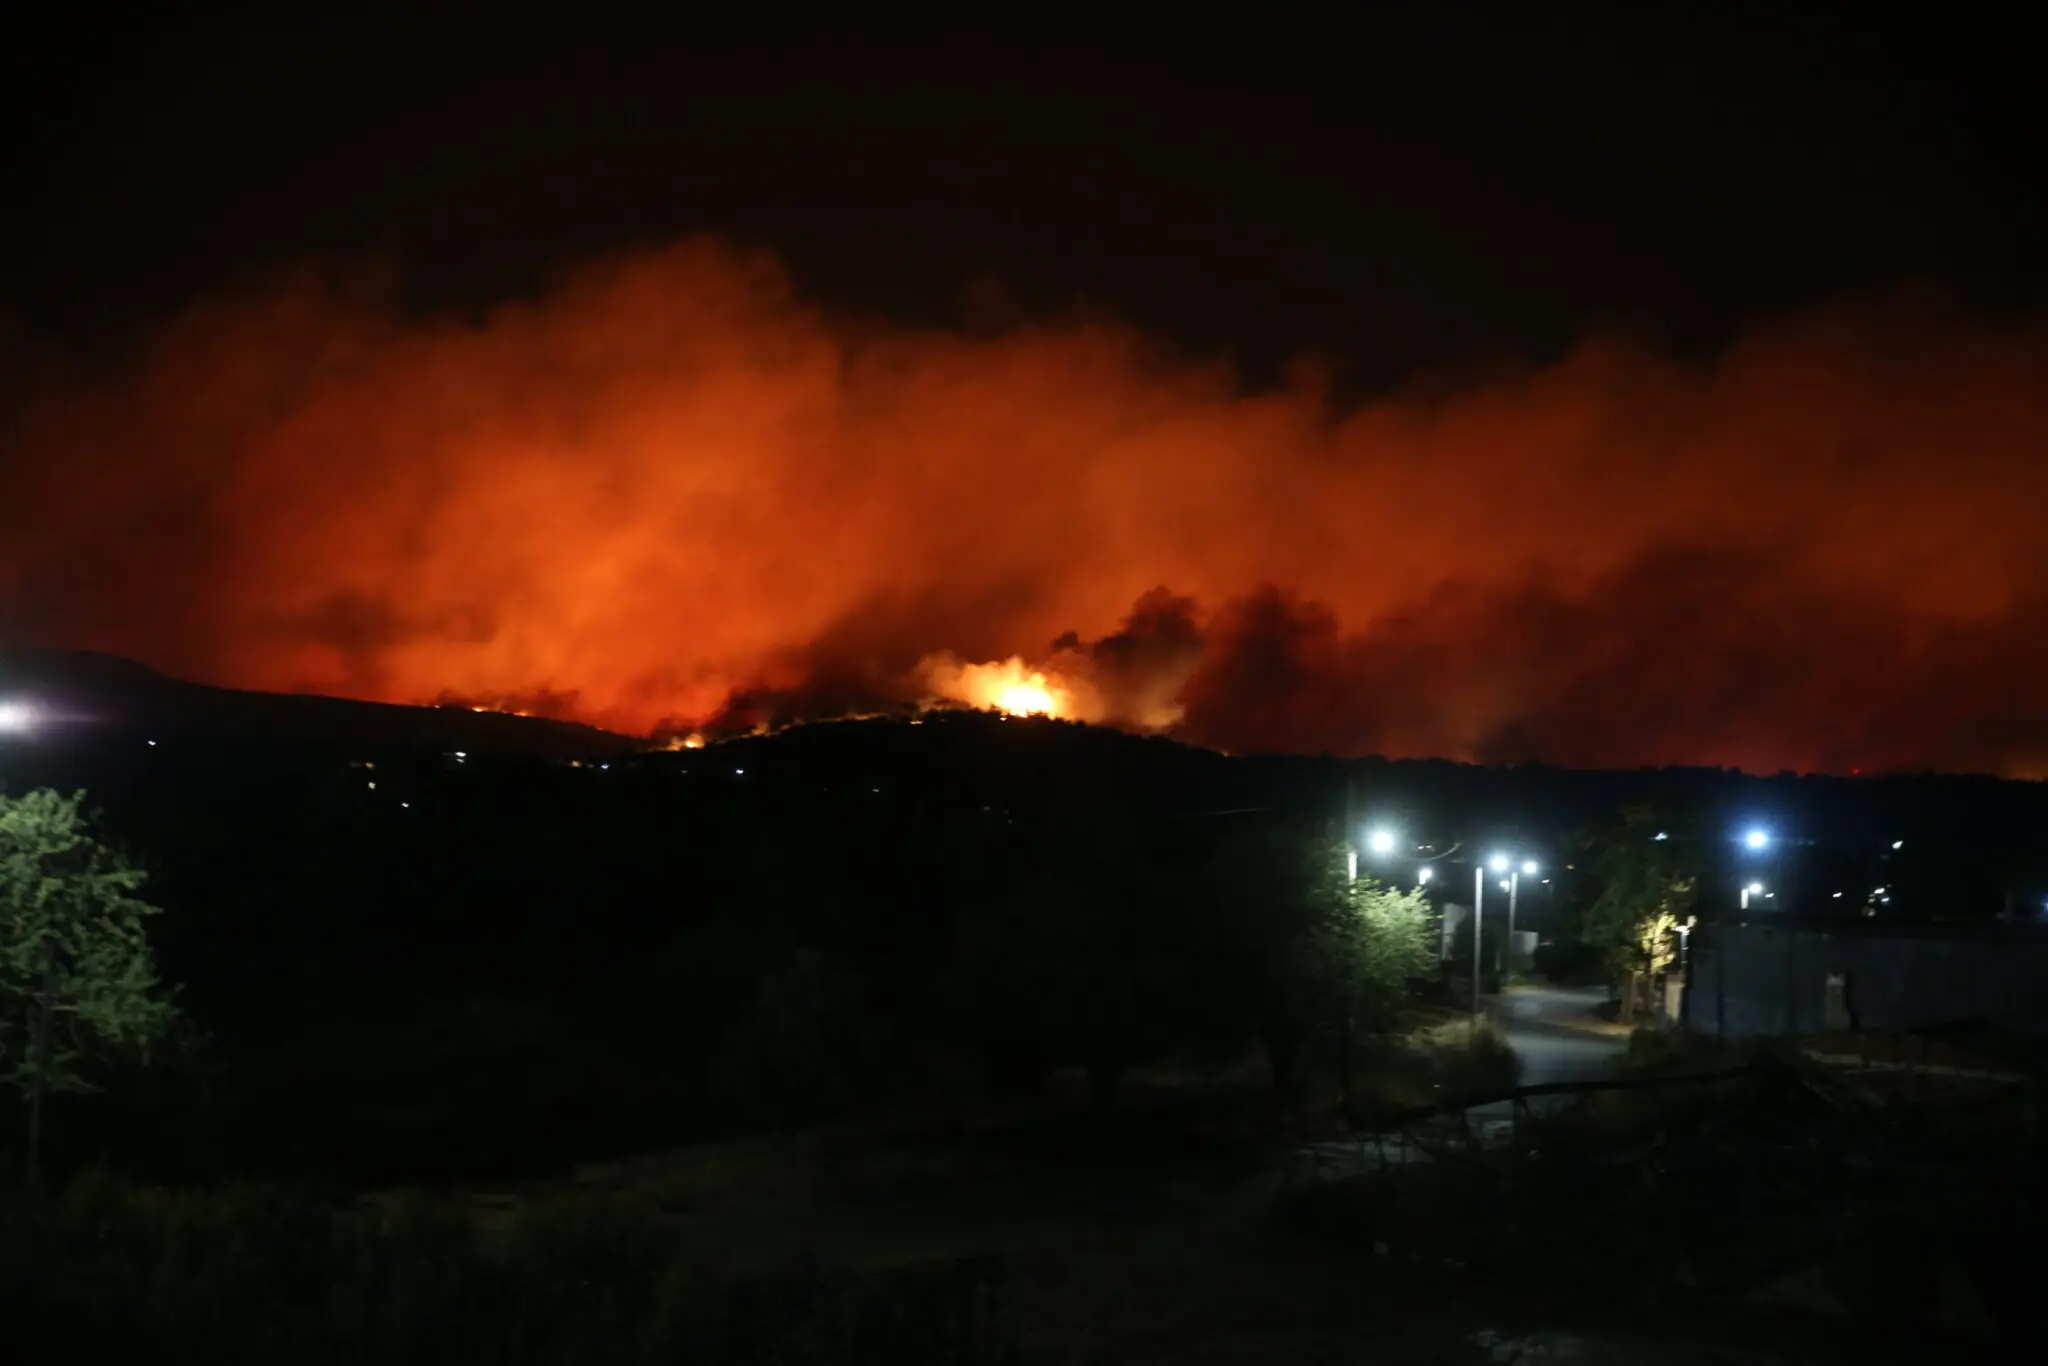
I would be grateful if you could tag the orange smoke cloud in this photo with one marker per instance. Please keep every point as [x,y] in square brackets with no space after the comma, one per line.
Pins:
[672,494]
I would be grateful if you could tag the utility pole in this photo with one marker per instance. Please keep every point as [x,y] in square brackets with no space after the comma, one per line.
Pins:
[1507,952]
[1478,939]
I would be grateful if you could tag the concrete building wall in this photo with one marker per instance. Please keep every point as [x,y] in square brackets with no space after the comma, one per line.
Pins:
[1773,979]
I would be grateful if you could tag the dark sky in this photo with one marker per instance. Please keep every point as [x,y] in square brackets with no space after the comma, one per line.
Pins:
[1408,188]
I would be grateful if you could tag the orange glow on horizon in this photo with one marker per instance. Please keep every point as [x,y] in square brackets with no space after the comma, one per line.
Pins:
[671,496]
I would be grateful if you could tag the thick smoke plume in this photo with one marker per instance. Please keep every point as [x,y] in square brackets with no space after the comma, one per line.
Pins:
[672,493]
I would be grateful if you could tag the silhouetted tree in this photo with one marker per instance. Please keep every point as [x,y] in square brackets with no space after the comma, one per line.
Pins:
[76,971]
[1311,955]
[1649,860]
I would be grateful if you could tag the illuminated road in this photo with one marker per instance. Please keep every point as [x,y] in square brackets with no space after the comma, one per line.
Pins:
[1556,1033]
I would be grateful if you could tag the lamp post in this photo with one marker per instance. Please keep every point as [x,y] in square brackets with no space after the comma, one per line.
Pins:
[1507,952]
[1478,918]
[1498,862]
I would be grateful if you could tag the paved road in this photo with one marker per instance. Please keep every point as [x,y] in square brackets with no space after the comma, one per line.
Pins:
[1556,1033]
[1558,1038]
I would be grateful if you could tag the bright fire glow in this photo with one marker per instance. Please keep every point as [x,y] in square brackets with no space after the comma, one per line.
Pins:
[671,494]
[1026,699]
[1010,686]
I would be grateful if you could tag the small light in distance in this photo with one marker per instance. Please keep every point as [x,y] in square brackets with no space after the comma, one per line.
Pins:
[1424,874]
[1662,835]
[1529,867]
[739,773]
[1756,839]
[1380,841]
[1838,896]
[1503,884]
[1499,863]
[1754,888]
[1898,844]
[150,743]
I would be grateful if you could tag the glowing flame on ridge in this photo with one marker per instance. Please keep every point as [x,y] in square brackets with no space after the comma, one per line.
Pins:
[1009,686]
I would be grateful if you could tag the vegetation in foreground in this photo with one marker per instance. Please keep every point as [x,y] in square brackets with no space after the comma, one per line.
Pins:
[1733,1194]
[267,1274]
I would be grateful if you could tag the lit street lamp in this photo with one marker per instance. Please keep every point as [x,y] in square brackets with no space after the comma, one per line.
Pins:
[1511,884]
[1750,890]
[1381,842]
[1478,923]
[1507,953]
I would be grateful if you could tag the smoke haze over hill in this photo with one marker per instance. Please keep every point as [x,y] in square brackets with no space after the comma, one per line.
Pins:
[672,492]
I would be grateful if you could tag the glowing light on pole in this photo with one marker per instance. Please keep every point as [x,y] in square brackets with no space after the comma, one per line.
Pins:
[16,717]
[1478,919]
[1757,840]
[1499,863]
[1381,842]
[1507,952]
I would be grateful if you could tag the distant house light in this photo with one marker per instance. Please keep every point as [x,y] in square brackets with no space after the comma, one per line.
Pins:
[1663,835]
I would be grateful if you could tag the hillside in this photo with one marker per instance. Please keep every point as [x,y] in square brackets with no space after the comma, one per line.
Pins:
[80,692]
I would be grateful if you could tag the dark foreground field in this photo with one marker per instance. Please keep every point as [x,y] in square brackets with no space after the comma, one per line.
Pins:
[1749,1217]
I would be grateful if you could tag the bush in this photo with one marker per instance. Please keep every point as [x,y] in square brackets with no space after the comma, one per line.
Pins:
[266,1274]
[1653,1052]
[1650,1051]
[1481,1066]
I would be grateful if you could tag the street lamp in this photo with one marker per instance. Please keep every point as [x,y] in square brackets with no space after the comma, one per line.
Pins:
[1424,874]
[16,717]
[1511,884]
[1478,926]
[1750,890]
[1507,953]
[1757,840]
[1381,842]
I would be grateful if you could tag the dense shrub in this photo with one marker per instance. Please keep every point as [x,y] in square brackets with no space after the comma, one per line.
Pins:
[1477,1067]
[267,1274]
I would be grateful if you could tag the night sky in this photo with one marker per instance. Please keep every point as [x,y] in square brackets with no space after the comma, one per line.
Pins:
[1602,389]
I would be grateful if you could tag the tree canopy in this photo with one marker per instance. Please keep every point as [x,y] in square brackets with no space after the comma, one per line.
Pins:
[1649,860]
[74,957]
